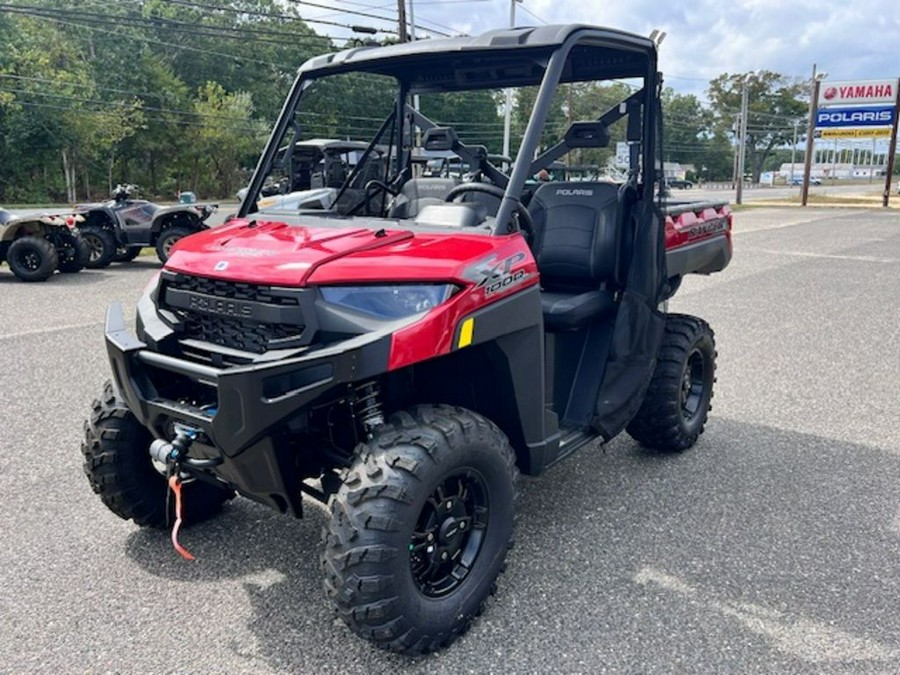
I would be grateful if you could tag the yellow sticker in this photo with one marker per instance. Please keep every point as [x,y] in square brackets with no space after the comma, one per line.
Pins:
[876,132]
[465,333]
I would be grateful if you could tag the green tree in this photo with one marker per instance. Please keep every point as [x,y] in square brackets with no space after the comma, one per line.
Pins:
[225,132]
[775,101]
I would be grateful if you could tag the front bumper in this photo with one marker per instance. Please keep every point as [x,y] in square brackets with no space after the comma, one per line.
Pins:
[250,401]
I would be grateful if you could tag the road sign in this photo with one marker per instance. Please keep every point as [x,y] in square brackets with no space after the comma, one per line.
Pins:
[863,92]
[623,156]
[863,116]
[875,132]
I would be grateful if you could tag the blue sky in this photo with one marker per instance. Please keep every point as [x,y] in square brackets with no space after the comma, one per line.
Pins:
[850,40]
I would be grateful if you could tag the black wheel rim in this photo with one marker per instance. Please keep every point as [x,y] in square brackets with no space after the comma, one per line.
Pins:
[95,244]
[449,534]
[29,260]
[693,385]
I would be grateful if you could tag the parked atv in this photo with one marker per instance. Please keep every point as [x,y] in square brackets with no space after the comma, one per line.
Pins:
[35,246]
[117,230]
[404,355]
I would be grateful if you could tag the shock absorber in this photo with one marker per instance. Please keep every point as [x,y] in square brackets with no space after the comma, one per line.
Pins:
[367,407]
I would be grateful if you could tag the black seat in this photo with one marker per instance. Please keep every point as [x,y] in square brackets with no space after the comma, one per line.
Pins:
[576,245]
[420,192]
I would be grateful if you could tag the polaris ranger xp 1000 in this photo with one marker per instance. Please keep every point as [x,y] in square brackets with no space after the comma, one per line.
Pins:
[404,354]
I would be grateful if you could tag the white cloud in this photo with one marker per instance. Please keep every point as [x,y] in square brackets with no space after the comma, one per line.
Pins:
[706,38]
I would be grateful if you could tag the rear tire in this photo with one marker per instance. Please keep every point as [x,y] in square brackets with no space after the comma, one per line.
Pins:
[32,258]
[420,528]
[102,244]
[677,402]
[74,253]
[168,238]
[118,467]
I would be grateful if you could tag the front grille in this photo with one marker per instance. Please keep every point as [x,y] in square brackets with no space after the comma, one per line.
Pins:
[234,290]
[241,316]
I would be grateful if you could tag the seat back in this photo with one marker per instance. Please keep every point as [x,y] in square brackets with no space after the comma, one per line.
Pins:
[420,192]
[577,235]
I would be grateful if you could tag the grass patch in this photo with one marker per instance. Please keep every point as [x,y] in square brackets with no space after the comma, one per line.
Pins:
[831,200]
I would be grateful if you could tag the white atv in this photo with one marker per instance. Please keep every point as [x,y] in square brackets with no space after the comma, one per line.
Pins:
[36,245]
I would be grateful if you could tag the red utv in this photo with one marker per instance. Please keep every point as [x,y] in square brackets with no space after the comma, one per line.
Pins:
[404,356]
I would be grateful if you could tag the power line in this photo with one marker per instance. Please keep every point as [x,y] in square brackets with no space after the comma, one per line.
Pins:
[147,40]
[197,5]
[365,14]
[170,25]
[528,11]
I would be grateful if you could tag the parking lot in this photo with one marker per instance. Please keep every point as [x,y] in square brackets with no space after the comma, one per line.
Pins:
[772,546]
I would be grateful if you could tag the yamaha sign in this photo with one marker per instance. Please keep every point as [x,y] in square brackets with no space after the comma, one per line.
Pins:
[864,92]
[855,117]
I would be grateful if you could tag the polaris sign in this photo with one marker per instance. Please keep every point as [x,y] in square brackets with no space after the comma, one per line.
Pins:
[855,117]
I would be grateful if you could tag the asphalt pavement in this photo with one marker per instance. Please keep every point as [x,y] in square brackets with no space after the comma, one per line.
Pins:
[773,546]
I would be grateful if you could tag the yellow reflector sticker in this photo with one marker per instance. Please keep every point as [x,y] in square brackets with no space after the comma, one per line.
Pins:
[465,333]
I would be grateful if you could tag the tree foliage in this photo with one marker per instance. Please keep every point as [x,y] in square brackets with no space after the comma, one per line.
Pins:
[180,94]
[774,102]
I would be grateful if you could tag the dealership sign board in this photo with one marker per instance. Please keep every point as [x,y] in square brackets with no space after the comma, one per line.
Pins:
[862,92]
[884,132]
[868,116]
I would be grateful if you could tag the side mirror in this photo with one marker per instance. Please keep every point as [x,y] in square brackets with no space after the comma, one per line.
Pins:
[587,135]
[440,139]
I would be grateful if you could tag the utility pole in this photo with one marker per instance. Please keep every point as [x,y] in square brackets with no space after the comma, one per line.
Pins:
[412,37]
[892,150]
[810,130]
[401,20]
[734,160]
[507,110]
[742,148]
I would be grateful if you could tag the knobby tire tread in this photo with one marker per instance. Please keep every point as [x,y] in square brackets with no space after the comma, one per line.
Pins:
[387,472]
[659,424]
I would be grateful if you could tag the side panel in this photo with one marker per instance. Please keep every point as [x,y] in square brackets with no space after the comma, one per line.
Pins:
[496,367]
[507,272]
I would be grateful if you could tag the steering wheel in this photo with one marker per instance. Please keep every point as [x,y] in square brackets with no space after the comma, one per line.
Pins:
[371,190]
[526,222]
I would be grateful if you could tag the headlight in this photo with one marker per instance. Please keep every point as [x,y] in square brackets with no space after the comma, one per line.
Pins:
[388,302]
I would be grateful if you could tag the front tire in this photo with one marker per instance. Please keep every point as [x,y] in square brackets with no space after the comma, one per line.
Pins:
[102,244]
[32,258]
[420,528]
[118,466]
[677,402]
[168,238]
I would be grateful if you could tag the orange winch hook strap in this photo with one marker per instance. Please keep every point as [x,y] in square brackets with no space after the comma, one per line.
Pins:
[175,484]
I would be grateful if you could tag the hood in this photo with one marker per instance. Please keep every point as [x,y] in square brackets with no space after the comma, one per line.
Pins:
[275,253]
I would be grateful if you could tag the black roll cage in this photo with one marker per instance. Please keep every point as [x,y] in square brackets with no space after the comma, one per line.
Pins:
[547,56]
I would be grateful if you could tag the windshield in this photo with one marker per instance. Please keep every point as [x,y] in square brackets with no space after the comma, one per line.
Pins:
[366,143]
